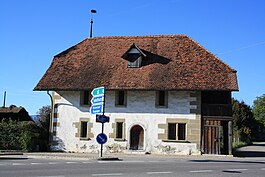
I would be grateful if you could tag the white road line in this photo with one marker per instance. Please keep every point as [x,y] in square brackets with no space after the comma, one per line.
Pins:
[2,164]
[201,171]
[71,162]
[159,172]
[108,174]
[18,164]
[262,169]
[135,161]
[50,176]
[36,163]
[235,169]
[86,162]
[53,163]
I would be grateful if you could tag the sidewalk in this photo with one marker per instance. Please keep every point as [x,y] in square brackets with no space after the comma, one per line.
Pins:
[255,150]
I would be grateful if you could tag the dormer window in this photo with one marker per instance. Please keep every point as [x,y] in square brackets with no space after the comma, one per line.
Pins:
[134,56]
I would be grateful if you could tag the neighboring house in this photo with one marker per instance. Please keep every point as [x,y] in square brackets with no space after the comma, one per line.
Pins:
[14,113]
[165,94]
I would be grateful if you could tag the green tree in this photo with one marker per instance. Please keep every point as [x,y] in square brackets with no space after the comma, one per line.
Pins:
[244,123]
[259,109]
[44,114]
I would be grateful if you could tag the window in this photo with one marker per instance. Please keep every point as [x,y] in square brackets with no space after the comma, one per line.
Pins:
[171,131]
[134,56]
[161,98]
[135,60]
[120,98]
[85,97]
[174,128]
[119,130]
[83,129]
[181,131]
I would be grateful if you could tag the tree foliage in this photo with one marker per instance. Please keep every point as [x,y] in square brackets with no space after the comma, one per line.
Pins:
[16,135]
[244,123]
[259,109]
[44,114]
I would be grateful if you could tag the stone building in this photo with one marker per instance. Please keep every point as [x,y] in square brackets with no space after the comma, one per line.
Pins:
[165,94]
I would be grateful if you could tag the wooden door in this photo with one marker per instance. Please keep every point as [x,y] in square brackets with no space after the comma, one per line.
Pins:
[212,137]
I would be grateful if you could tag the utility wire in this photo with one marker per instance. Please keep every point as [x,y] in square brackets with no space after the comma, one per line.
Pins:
[242,48]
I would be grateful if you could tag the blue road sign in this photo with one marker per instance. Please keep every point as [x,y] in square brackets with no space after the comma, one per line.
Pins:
[96,109]
[98,91]
[102,138]
[97,100]
[102,118]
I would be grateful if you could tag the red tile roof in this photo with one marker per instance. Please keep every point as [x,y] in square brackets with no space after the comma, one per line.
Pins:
[173,62]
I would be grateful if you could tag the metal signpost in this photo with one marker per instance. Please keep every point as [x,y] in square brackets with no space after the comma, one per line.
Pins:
[98,108]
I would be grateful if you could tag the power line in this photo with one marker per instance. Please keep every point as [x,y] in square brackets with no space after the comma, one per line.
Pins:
[242,48]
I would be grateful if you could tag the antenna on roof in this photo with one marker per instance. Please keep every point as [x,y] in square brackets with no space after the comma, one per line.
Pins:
[93,11]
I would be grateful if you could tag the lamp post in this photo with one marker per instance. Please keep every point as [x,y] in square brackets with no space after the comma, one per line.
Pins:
[91,21]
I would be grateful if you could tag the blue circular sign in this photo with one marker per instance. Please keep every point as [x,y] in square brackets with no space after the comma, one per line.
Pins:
[102,138]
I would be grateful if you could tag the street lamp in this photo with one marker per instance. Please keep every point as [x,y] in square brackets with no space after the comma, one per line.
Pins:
[93,11]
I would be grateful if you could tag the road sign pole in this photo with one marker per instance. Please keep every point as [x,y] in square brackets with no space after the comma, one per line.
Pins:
[102,131]
[101,146]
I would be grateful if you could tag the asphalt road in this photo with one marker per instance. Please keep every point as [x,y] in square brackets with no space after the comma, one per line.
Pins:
[140,166]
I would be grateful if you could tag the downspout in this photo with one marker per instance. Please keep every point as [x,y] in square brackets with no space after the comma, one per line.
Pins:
[51,121]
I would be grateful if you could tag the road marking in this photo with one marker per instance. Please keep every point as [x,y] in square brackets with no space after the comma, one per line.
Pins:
[50,176]
[53,163]
[159,172]
[262,169]
[133,161]
[86,162]
[71,162]
[18,164]
[201,171]
[108,174]
[235,169]
[2,164]
[36,163]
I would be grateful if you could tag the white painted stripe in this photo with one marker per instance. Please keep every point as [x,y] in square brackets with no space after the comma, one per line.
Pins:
[262,169]
[50,176]
[71,162]
[53,163]
[36,163]
[236,169]
[2,164]
[201,171]
[18,164]
[132,161]
[108,174]
[154,161]
[159,172]
[86,162]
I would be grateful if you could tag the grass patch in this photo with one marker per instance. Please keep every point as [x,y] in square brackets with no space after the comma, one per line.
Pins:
[240,144]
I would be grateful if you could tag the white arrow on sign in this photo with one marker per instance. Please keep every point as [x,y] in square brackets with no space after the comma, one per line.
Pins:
[97,100]
[98,91]
[96,109]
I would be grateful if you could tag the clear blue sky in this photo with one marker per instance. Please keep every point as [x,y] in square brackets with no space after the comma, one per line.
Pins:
[33,31]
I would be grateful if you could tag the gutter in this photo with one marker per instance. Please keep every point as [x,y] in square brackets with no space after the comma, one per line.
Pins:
[51,120]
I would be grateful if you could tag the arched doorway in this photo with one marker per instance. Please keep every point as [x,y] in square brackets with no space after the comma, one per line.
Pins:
[136,138]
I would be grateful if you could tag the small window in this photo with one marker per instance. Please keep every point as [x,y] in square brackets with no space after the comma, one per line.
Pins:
[161,98]
[83,129]
[181,131]
[176,131]
[119,130]
[85,97]
[172,131]
[120,99]
[135,60]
